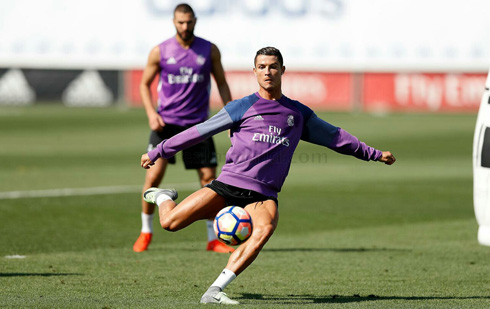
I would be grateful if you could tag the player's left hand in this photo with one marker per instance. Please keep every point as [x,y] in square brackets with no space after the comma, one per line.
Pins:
[146,163]
[387,157]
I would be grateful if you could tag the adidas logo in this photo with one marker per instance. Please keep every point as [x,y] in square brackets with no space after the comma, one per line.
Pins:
[258,117]
[88,89]
[171,60]
[15,89]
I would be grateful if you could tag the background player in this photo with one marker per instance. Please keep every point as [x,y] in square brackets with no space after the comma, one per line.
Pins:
[184,63]
[265,129]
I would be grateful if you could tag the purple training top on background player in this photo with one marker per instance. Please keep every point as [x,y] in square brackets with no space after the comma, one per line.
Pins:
[185,83]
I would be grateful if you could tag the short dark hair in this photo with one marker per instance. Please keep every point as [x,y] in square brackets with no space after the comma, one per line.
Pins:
[184,8]
[269,51]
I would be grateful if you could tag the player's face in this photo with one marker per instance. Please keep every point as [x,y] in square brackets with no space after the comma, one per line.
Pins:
[184,24]
[268,71]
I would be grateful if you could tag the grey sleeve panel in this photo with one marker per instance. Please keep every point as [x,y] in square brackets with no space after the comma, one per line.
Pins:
[219,122]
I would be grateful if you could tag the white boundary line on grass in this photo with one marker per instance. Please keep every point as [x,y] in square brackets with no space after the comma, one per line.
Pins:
[85,191]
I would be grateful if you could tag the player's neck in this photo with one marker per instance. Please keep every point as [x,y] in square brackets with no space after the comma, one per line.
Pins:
[273,94]
[184,44]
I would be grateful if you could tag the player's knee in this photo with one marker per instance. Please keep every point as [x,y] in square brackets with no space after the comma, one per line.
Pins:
[168,224]
[207,178]
[207,175]
[261,234]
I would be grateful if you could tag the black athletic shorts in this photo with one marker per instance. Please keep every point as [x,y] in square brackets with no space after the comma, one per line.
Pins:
[235,196]
[197,156]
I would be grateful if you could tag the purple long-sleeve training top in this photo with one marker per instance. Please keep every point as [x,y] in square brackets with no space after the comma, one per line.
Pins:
[264,135]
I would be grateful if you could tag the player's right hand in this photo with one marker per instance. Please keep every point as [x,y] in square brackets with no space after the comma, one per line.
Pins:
[156,122]
[146,163]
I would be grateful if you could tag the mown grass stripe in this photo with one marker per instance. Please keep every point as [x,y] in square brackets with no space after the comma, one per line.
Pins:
[85,191]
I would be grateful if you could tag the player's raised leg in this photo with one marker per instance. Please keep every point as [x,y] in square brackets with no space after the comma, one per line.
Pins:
[206,175]
[265,216]
[153,178]
[202,204]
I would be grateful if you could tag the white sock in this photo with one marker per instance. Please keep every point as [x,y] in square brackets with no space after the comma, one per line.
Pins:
[210,228]
[225,278]
[162,198]
[147,223]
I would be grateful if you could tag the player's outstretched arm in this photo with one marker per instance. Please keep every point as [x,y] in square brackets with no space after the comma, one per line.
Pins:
[387,158]
[323,133]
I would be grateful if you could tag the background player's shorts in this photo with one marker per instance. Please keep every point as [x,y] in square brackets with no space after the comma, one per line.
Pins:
[197,156]
[235,196]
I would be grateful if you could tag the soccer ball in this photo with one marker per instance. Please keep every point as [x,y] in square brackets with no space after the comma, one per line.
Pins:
[233,225]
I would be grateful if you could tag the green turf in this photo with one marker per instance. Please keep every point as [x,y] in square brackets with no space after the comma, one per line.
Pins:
[351,235]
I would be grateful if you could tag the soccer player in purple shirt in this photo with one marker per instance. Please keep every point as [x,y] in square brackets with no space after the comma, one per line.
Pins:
[265,129]
[184,64]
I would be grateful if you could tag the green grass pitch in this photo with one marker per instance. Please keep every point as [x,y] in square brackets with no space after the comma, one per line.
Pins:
[352,234]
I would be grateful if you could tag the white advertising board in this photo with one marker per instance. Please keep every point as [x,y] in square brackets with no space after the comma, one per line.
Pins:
[313,35]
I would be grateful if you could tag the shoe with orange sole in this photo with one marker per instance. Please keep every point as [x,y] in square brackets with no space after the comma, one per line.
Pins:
[218,246]
[142,242]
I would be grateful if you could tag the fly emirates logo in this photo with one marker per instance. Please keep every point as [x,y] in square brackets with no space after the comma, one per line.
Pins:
[186,76]
[272,137]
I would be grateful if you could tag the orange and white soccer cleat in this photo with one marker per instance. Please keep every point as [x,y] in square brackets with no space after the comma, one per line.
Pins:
[218,246]
[142,242]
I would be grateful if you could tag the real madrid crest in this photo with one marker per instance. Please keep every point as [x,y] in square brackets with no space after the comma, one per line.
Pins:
[200,59]
[290,120]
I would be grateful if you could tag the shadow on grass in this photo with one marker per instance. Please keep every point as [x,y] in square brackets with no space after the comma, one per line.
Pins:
[312,299]
[345,250]
[38,274]
[334,250]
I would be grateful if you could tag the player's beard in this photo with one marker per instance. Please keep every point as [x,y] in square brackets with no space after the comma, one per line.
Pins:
[186,35]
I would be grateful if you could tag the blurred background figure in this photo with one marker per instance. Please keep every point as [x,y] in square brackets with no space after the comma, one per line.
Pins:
[184,63]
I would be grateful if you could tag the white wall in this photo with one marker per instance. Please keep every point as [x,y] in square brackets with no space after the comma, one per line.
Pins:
[320,35]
